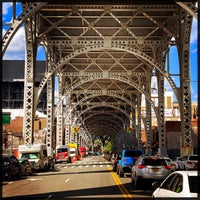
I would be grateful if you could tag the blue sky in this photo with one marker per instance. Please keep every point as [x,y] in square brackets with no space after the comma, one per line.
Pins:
[16,50]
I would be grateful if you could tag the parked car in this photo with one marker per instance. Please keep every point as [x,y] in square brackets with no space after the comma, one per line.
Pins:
[127,160]
[171,163]
[175,162]
[10,167]
[26,167]
[188,162]
[179,184]
[114,160]
[150,168]
[107,156]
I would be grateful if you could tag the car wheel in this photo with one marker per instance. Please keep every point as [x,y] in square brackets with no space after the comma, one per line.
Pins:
[132,179]
[117,170]
[121,172]
[137,183]
[9,175]
[19,174]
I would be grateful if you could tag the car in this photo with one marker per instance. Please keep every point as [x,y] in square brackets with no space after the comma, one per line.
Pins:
[188,162]
[26,167]
[171,163]
[114,160]
[178,184]
[149,168]
[10,167]
[175,162]
[127,160]
[107,156]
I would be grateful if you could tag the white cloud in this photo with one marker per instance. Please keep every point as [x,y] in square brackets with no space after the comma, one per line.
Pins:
[6,7]
[16,48]
[194,32]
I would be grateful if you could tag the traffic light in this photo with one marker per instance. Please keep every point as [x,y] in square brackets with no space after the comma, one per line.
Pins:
[129,130]
[75,130]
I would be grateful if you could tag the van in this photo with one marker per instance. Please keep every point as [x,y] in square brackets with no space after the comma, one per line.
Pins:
[62,153]
[36,155]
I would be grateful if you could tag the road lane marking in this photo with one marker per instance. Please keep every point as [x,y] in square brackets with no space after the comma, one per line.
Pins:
[35,179]
[124,191]
[67,180]
[49,196]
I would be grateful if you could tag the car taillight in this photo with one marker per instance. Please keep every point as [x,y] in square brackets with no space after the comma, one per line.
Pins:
[168,167]
[141,166]
[124,160]
[189,162]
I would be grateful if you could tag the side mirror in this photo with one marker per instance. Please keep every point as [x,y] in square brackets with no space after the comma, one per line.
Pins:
[156,184]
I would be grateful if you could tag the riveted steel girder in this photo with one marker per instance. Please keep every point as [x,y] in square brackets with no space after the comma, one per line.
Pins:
[106,49]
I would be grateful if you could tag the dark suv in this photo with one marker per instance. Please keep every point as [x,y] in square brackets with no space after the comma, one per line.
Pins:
[10,167]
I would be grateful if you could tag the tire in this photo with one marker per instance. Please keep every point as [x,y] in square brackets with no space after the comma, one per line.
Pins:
[121,172]
[132,180]
[31,173]
[9,175]
[137,183]
[117,170]
[18,174]
[114,168]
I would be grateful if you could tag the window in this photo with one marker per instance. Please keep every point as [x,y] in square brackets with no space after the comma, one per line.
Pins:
[194,184]
[177,185]
[133,153]
[154,162]
[193,158]
[168,182]
[61,150]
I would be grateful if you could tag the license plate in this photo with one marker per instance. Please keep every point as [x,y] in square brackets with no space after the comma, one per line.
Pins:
[154,169]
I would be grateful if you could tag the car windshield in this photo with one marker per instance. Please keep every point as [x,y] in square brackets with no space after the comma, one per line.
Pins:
[133,153]
[154,162]
[61,150]
[31,155]
[193,158]
[193,183]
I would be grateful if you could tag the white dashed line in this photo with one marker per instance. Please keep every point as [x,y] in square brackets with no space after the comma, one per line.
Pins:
[67,180]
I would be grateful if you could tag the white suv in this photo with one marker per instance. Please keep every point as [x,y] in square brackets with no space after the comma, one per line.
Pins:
[188,162]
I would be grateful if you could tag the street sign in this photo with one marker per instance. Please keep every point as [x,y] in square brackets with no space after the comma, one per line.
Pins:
[6,118]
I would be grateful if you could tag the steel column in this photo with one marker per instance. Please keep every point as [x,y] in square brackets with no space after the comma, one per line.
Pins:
[29,81]
[161,120]
[59,132]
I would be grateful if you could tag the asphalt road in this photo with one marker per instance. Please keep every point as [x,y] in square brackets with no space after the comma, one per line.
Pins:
[92,177]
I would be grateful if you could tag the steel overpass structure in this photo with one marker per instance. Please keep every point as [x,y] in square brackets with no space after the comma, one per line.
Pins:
[104,55]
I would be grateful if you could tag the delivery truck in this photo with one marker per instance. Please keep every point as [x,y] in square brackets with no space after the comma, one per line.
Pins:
[62,153]
[73,152]
[82,151]
[37,156]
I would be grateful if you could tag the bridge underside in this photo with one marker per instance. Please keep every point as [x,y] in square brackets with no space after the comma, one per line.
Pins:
[103,57]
